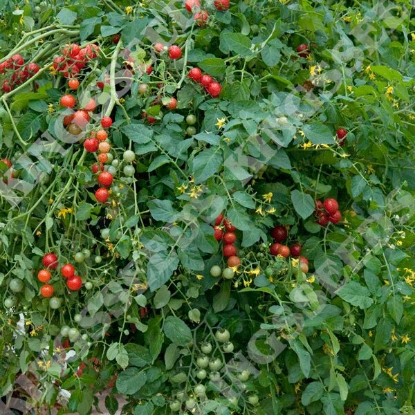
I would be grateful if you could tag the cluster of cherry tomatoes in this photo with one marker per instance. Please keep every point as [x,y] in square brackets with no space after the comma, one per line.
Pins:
[74,58]
[327,212]
[16,72]
[95,142]
[212,87]
[279,233]
[50,262]
[224,231]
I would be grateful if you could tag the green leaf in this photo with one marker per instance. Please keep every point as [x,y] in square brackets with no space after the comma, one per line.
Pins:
[134,30]
[213,66]
[303,203]
[355,294]
[162,297]
[387,72]
[395,308]
[206,164]
[122,357]
[131,380]
[209,138]
[160,268]
[124,246]
[171,354]
[194,315]
[358,184]
[244,199]
[112,351]
[87,27]
[131,221]
[28,125]
[177,331]
[138,355]
[66,16]
[365,352]
[111,403]
[144,408]
[84,211]
[138,133]
[157,162]
[303,356]
[312,393]
[162,210]
[74,400]
[271,53]
[235,42]
[109,30]
[240,218]
[221,299]
[191,259]
[318,133]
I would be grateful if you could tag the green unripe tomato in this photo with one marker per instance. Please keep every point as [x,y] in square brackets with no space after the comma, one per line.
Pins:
[115,163]
[175,406]
[215,364]
[200,390]
[216,271]
[243,376]
[73,334]
[98,259]
[228,273]
[55,303]
[128,156]
[9,302]
[64,331]
[88,285]
[16,285]
[222,335]
[79,257]
[228,347]
[214,376]
[105,233]
[253,399]
[206,347]
[201,374]
[129,170]
[202,362]
[86,252]
[191,119]
[190,403]
[191,131]
[110,157]
[77,318]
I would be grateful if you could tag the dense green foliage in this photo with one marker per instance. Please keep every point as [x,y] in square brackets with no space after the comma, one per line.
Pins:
[309,101]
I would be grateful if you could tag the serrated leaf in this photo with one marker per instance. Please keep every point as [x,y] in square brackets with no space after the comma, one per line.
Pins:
[28,125]
[213,66]
[171,354]
[66,16]
[355,294]
[303,203]
[109,30]
[87,27]
[207,163]
[177,331]
[162,210]
[318,133]
[162,297]
[157,162]
[138,355]
[244,199]
[160,268]
[138,133]
[358,184]
[235,42]
[221,299]
[312,393]
[84,211]
[131,380]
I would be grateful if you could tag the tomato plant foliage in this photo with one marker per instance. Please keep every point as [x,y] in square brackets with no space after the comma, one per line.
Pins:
[207,207]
